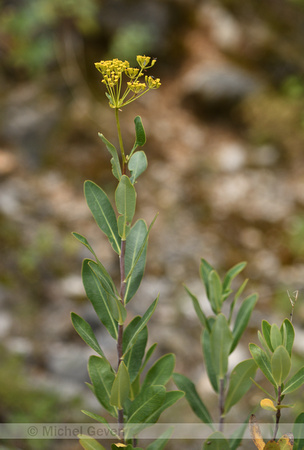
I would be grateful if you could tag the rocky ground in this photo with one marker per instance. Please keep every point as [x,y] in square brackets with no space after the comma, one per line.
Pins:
[223,189]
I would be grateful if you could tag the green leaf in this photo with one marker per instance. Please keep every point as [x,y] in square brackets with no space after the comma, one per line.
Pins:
[115,160]
[216,441]
[266,328]
[135,240]
[263,343]
[160,443]
[140,136]
[294,382]
[121,387]
[275,336]
[133,358]
[242,319]
[239,382]
[199,312]
[215,291]
[141,324]
[171,397]
[125,200]
[206,346]
[98,297]
[145,404]
[236,297]
[280,364]
[288,335]
[104,278]
[148,356]
[102,377]
[161,371]
[231,274]
[101,420]
[298,432]
[205,269]
[221,340]
[86,333]
[103,213]
[88,443]
[138,163]
[140,251]
[117,309]
[194,400]
[237,436]
[85,242]
[263,362]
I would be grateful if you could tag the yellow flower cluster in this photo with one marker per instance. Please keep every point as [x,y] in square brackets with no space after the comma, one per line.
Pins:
[112,72]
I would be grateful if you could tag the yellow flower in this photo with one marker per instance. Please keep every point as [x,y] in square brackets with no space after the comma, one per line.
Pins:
[152,83]
[131,72]
[136,86]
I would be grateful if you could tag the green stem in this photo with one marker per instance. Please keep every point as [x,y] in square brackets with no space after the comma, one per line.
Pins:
[278,414]
[120,142]
[221,405]
[120,420]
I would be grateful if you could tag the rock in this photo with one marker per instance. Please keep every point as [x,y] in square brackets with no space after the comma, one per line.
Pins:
[217,87]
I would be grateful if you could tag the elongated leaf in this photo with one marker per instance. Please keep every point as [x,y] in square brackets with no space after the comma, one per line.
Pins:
[134,243]
[104,278]
[280,364]
[236,297]
[262,361]
[86,333]
[88,443]
[264,344]
[298,432]
[205,269]
[148,356]
[237,436]
[215,291]
[98,297]
[206,346]
[100,419]
[85,242]
[145,404]
[170,398]
[239,382]
[121,387]
[161,442]
[231,274]
[275,336]
[294,382]
[161,371]
[142,248]
[242,319]
[193,398]
[115,160]
[141,324]
[125,198]
[103,213]
[140,136]
[216,441]
[288,335]
[266,328]
[221,340]
[117,309]
[137,165]
[133,358]
[102,377]
[199,312]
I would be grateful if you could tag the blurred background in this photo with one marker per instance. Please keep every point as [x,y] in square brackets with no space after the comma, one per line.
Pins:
[225,137]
